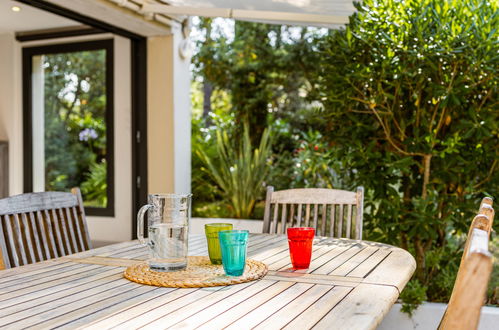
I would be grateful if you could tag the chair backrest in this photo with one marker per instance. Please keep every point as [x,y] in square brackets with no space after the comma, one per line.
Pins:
[41,226]
[468,294]
[332,212]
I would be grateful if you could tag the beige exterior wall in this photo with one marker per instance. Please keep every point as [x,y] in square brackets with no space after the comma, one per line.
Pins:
[168,116]
[11,108]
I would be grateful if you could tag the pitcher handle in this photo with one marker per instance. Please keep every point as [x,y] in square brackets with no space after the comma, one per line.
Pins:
[140,223]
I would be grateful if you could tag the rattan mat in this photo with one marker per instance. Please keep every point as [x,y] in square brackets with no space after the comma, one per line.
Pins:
[199,273]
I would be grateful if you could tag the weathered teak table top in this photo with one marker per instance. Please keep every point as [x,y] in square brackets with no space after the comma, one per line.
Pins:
[349,285]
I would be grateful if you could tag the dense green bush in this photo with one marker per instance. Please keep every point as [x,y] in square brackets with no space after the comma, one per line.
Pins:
[410,92]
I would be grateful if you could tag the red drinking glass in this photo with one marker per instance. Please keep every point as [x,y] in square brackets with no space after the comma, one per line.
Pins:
[300,241]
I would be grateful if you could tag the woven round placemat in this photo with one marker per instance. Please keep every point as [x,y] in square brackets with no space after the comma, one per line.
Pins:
[198,274]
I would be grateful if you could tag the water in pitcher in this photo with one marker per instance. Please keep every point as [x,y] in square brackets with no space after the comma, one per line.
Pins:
[168,247]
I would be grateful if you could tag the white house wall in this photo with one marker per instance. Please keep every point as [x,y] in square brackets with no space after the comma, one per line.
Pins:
[11,108]
[168,116]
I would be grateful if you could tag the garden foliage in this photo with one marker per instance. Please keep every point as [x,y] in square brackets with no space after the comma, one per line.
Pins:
[75,128]
[410,91]
[405,102]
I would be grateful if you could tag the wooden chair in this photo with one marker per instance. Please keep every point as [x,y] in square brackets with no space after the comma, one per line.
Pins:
[41,226]
[468,294]
[332,212]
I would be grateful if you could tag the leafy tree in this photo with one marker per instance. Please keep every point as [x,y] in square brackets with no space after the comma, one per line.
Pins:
[264,68]
[409,90]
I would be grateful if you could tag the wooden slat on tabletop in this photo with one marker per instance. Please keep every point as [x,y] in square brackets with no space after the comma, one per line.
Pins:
[193,321]
[297,276]
[294,308]
[339,260]
[314,313]
[66,290]
[331,253]
[198,306]
[369,264]
[259,314]
[236,312]
[396,269]
[148,302]
[63,312]
[353,262]
[157,308]
[364,307]
[37,274]
[35,285]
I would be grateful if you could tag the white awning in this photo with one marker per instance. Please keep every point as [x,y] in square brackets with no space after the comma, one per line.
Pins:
[326,13]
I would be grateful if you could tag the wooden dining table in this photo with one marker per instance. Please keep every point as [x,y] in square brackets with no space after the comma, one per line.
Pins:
[349,285]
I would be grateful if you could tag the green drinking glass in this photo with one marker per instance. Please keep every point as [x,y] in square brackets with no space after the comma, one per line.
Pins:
[211,230]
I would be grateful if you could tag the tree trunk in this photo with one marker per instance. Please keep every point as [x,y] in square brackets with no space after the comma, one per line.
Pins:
[207,92]
[426,178]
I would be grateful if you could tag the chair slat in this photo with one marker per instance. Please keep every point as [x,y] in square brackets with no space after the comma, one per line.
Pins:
[298,223]
[276,221]
[36,237]
[349,221]
[18,241]
[78,230]
[71,229]
[333,220]
[4,262]
[330,211]
[316,215]
[52,219]
[292,215]
[14,261]
[41,226]
[283,218]
[339,228]
[81,218]
[307,215]
[324,219]
[30,255]
[46,228]
[65,231]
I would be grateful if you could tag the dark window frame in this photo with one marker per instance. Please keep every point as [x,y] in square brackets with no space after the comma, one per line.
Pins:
[27,68]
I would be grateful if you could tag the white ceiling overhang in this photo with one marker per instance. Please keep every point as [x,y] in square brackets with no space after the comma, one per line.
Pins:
[328,13]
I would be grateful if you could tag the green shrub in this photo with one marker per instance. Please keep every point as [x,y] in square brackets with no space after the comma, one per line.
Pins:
[409,90]
[238,169]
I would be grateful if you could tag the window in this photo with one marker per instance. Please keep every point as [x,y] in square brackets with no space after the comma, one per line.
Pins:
[68,121]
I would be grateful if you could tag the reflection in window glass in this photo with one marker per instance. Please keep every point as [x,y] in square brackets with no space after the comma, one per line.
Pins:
[74,123]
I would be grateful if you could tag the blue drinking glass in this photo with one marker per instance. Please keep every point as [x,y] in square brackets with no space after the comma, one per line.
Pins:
[233,244]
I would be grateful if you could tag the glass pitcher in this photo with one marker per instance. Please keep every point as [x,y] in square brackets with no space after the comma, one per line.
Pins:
[168,227]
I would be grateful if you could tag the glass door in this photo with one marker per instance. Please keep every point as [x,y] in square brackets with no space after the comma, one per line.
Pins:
[69,125]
